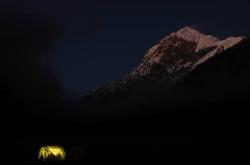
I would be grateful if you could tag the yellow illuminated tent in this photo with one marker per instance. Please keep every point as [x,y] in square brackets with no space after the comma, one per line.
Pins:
[51,153]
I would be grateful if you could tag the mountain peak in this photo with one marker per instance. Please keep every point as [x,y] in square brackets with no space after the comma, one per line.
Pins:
[192,35]
[182,50]
[188,29]
[189,32]
[174,56]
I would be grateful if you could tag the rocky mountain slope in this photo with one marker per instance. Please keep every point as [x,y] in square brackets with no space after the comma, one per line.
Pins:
[174,56]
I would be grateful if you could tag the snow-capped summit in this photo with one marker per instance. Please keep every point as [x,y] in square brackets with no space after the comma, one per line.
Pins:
[182,51]
[204,41]
[193,35]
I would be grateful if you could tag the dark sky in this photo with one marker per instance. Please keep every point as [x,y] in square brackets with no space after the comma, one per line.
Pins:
[103,39]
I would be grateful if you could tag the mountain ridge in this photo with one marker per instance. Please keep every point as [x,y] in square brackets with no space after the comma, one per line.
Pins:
[174,56]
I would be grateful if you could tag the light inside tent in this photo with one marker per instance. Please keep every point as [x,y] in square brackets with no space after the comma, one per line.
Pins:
[51,153]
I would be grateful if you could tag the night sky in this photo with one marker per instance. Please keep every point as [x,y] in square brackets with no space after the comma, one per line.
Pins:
[102,40]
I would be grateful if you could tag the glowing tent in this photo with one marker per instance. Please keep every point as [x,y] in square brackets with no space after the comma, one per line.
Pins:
[51,153]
